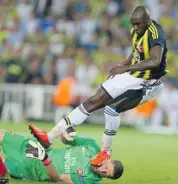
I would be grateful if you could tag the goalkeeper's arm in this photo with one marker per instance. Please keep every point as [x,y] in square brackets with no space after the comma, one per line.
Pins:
[80,141]
[36,151]
[55,177]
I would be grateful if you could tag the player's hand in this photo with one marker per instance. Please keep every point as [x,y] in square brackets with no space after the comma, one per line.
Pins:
[118,69]
[35,150]
[69,134]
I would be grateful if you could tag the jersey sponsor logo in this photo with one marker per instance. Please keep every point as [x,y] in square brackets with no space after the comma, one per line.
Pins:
[141,49]
[69,161]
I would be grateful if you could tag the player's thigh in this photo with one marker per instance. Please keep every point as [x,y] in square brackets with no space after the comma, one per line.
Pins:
[151,92]
[27,168]
[120,84]
[128,100]
[14,145]
[16,168]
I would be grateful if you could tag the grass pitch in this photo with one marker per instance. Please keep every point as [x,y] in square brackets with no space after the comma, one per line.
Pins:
[147,158]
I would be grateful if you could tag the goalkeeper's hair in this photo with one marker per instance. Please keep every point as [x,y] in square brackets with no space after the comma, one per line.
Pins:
[118,170]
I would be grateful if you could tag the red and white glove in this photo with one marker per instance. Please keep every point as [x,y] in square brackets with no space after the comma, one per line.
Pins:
[36,151]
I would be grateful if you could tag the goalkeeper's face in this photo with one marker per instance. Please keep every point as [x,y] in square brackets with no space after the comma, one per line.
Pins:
[106,170]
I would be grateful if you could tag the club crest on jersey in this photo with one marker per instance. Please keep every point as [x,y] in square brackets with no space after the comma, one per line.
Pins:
[80,172]
[141,49]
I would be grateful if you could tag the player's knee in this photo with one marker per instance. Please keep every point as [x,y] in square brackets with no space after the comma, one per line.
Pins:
[99,100]
[92,104]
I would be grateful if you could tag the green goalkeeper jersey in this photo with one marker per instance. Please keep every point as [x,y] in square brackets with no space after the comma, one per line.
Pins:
[73,160]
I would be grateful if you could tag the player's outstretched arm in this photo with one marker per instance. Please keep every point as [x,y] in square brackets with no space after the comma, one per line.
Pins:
[55,177]
[154,61]
[36,151]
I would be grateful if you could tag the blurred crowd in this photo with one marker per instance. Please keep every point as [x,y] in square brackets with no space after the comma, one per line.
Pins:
[41,40]
[64,42]
[158,114]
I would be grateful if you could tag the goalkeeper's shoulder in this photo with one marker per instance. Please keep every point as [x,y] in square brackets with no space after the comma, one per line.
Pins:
[81,141]
[87,141]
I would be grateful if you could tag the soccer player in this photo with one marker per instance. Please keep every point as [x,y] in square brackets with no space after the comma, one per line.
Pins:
[27,159]
[132,82]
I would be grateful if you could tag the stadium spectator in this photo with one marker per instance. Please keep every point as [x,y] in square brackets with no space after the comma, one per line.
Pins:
[87,70]
[143,113]
[43,7]
[64,98]
[64,60]
[24,9]
[167,106]
[34,74]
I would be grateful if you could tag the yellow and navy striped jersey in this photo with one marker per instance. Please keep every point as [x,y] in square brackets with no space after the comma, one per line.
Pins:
[154,35]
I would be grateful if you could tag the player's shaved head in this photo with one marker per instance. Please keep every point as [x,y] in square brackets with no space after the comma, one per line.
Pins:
[141,12]
[140,19]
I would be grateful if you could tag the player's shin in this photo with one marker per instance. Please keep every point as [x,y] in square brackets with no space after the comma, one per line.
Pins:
[111,126]
[112,123]
[76,117]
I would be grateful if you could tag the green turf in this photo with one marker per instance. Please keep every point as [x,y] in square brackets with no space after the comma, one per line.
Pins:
[148,158]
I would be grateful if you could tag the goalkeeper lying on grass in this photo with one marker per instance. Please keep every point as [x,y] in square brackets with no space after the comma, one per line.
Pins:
[27,159]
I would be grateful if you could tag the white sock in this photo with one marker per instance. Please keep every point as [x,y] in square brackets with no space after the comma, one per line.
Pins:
[57,130]
[111,126]
[76,117]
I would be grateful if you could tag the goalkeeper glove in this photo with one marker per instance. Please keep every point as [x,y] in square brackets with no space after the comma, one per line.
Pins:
[36,151]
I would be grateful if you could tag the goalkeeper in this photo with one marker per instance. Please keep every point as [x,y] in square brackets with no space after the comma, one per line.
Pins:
[27,159]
